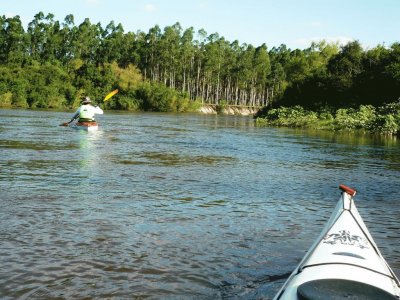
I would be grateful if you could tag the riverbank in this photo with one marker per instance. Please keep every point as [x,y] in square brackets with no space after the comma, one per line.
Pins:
[382,120]
[228,109]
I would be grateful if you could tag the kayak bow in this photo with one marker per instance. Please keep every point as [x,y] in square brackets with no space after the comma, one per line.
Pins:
[343,263]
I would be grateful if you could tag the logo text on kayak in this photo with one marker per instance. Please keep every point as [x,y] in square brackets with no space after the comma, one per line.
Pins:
[344,237]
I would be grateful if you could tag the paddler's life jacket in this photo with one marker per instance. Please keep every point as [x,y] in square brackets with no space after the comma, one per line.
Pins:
[86,114]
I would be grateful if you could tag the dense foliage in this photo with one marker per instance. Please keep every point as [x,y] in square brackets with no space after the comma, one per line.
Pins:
[52,64]
[383,120]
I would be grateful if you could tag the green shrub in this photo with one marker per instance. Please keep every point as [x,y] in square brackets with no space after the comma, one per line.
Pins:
[295,116]
[6,100]
[327,116]
[221,106]
[384,120]
[126,103]
[351,118]
[386,124]
[388,119]
[159,97]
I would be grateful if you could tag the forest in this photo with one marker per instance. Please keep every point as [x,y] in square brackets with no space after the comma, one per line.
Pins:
[52,64]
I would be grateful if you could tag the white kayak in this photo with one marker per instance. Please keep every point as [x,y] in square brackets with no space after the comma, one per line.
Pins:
[343,263]
[88,126]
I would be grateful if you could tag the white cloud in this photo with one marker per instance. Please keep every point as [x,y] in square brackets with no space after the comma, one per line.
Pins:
[316,24]
[204,5]
[149,7]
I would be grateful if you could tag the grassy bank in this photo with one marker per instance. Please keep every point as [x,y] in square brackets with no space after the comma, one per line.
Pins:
[383,120]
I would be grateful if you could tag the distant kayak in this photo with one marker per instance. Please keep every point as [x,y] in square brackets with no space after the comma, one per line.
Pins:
[343,263]
[88,126]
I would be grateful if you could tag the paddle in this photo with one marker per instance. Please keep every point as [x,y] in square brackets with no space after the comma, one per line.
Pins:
[107,97]
[110,95]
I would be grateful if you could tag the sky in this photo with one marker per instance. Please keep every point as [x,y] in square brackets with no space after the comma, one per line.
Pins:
[295,23]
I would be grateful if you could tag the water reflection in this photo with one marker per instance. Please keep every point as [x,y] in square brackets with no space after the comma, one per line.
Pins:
[88,146]
[348,138]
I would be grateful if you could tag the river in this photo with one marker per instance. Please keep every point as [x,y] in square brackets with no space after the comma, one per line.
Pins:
[177,205]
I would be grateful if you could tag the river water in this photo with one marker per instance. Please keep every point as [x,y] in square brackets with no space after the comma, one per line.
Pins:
[177,205]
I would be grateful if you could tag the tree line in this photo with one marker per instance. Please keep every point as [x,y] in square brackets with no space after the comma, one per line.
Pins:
[52,64]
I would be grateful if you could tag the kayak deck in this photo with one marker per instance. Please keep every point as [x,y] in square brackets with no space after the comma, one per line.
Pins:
[344,260]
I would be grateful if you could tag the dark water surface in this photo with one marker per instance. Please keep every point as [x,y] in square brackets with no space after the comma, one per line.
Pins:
[177,206]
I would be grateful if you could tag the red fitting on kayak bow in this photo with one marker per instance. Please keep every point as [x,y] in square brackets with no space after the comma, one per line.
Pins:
[347,190]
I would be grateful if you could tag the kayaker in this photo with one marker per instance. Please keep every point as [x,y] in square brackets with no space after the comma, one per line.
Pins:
[86,111]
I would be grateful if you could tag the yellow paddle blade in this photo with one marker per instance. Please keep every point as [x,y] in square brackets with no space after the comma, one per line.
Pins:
[110,95]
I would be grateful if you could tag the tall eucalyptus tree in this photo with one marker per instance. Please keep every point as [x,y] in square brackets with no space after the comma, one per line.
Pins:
[86,41]
[150,54]
[15,42]
[187,60]
[262,67]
